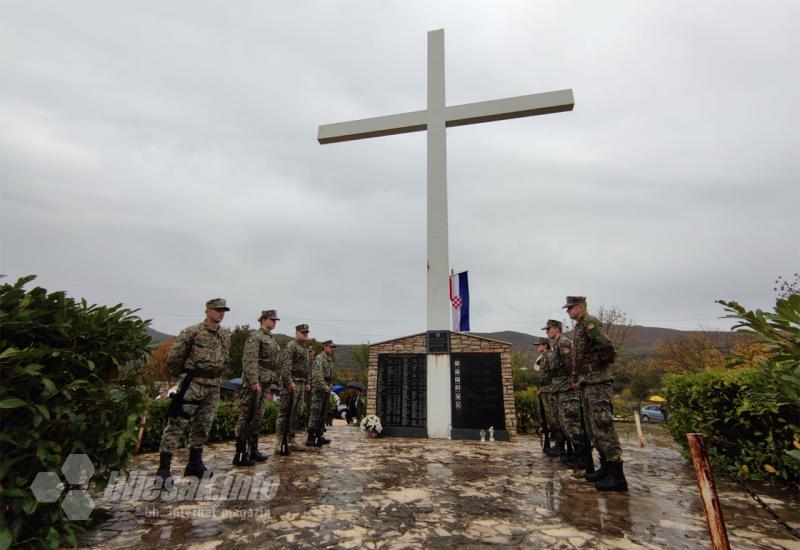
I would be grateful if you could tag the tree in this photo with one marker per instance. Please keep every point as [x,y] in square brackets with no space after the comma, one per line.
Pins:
[360,356]
[239,336]
[156,369]
[785,287]
[619,329]
[692,353]
[522,372]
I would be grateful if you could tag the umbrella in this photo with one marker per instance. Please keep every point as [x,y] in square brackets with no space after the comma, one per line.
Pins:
[357,386]
[337,388]
[657,399]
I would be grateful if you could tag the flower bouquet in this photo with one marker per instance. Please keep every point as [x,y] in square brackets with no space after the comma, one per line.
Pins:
[372,425]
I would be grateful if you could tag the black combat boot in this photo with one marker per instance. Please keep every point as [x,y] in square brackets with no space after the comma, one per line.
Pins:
[569,454]
[241,457]
[313,438]
[599,474]
[576,461]
[164,463]
[615,478]
[557,450]
[195,467]
[324,440]
[254,454]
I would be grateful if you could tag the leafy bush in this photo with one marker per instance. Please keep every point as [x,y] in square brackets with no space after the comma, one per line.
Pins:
[747,427]
[70,382]
[749,415]
[527,404]
[221,430]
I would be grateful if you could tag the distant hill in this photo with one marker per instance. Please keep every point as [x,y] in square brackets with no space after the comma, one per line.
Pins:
[158,336]
[641,344]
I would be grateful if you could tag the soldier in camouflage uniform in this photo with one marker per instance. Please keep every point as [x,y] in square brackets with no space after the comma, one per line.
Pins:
[259,363]
[546,376]
[321,381]
[295,379]
[593,355]
[566,402]
[198,358]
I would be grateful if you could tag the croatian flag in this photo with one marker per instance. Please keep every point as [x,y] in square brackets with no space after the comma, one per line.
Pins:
[459,301]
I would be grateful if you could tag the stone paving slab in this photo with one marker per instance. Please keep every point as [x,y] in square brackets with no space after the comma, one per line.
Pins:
[414,493]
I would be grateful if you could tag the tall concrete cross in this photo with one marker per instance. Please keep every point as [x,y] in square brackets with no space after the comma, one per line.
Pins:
[435,119]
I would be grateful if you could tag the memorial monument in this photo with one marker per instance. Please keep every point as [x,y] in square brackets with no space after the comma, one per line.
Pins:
[439,393]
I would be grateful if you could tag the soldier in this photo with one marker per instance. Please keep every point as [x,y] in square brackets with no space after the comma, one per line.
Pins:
[542,364]
[259,363]
[295,373]
[198,357]
[593,355]
[321,380]
[565,400]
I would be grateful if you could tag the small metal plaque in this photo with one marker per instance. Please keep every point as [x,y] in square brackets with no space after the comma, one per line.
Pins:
[438,341]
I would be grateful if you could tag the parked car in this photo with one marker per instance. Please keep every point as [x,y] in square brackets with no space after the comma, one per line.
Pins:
[652,413]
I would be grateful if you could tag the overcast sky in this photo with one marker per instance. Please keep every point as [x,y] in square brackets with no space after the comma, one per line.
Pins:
[163,153]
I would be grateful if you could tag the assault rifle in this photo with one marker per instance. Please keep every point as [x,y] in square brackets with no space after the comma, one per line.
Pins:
[287,425]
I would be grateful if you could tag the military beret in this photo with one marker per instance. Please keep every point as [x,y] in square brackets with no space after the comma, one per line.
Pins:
[269,314]
[328,343]
[553,323]
[301,328]
[574,301]
[217,303]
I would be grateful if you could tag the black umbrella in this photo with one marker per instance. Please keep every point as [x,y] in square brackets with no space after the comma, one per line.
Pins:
[357,386]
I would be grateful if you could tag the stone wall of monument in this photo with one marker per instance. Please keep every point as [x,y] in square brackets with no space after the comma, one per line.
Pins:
[459,343]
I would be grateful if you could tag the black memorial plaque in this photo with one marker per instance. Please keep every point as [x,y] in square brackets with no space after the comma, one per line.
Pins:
[477,395]
[402,394]
[438,341]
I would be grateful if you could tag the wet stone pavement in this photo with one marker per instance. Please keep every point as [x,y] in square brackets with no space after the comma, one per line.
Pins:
[405,493]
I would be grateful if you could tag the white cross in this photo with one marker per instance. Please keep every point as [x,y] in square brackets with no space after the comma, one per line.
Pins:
[435,119]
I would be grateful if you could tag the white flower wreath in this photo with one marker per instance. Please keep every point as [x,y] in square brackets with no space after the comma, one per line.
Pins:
[371,423]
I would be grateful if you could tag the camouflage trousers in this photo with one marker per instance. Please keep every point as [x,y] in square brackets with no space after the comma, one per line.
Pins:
[298,406]
[569,407]
[597,411]
[316,419]
[252,407]
[199,408]
[551,411]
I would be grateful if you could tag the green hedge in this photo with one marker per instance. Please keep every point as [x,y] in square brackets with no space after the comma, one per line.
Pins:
[748,427]
[70,382]
[527,404]
[221,430]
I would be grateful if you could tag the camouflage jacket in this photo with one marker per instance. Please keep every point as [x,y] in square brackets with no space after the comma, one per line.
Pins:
[560,363]
[200,349]
[545,374]
[592,351]
[322,372]
[260,359]
[296,363]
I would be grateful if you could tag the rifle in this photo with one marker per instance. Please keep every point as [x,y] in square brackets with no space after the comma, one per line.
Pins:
[286,426]
[587,444]
[176,406]
[543,419]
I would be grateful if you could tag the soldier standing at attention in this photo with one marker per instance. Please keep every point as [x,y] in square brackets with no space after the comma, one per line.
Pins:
[321,380]
[259,363]
[549,399]
[295,378]
[593,355]
[567,401]
[198,358]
